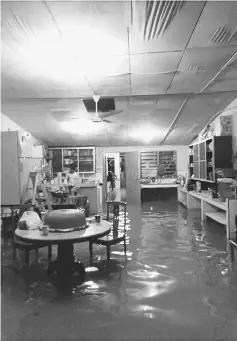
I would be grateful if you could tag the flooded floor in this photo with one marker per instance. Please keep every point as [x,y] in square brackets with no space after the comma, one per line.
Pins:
[177,284]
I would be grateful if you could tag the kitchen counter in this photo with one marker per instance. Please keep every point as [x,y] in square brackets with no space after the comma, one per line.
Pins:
[159,185]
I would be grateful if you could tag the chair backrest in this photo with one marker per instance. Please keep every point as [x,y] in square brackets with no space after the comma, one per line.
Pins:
[17,212]
[116,213]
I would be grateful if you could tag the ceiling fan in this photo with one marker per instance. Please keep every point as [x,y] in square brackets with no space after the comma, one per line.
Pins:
[63,115]
[100,116]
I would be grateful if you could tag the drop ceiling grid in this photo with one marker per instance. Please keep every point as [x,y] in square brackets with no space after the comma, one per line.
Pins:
[216,14]
[226,81]
[31,17]
[176,35]
[200,108]
[88,18]
[179,136]
[175,38]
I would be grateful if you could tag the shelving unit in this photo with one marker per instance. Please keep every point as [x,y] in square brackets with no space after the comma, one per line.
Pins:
[208,155]
[86,160]
[151,160]
[217,216]
[148,164]
[183,196]
[167,158]
[70,156]
[222,212]
[82,157]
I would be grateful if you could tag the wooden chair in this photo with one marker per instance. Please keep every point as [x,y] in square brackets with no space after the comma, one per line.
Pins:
[116,213]
[17,212]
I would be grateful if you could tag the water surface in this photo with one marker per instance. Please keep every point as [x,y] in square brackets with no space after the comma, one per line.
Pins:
[177,284]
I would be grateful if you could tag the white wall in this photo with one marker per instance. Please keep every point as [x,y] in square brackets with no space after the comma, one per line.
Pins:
[7,124]
[29,148]
[230,110]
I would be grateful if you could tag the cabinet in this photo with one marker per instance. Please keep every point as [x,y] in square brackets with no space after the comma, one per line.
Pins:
[82,157]
[167,159]
[148,164]
[151,160]
[208,155]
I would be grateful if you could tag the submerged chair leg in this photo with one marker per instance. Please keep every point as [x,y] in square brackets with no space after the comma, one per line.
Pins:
[27,257]
[125,247]
[232,251]
[14,253]
[49,253]
[108,252]
[91,251]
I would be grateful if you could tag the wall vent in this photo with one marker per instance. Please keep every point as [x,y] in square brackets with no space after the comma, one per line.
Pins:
[223,35]
[154,17]
[196,68]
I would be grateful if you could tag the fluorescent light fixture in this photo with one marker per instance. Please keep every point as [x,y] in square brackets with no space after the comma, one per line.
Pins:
[81,126]
[147,134]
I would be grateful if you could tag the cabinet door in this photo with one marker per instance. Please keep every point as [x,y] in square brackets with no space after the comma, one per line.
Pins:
[196,152]
[70,156]
[86,160]
[10,180]
[223,151]
[203,173]
[202,151]
[57,160]
[196,170]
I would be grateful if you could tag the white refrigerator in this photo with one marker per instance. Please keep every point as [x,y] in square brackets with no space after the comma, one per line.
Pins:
[18,158]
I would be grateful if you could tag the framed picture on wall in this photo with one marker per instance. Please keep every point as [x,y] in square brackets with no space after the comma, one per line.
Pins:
[226,125]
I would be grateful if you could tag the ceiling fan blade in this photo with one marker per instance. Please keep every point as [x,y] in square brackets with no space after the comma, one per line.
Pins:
[63,115]
[110,113]
[106,121]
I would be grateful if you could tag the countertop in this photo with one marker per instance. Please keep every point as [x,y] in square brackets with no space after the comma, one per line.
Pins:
[159,185]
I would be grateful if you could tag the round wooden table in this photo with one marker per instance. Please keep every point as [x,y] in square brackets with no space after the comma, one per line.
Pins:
[66,265]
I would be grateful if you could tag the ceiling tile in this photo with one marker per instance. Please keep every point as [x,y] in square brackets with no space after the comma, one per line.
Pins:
[226,81]
[207,59]
[114,81]
[150,84]
[216,15]
[167,108]
[112,91]
[155,63]
[182,135]
[93,26]
[190,82]
[148,90]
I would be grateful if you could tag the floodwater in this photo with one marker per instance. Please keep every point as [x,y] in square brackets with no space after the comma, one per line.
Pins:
[177,284]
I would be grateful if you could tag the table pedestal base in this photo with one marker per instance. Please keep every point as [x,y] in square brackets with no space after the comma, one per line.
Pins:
[69,272]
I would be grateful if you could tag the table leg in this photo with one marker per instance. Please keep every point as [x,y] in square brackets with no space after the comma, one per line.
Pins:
[66,267]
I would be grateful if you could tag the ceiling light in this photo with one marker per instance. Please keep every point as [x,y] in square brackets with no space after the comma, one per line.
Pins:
[146,134]
[81,126]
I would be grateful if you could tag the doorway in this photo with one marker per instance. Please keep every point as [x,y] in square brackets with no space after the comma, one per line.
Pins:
[114,176]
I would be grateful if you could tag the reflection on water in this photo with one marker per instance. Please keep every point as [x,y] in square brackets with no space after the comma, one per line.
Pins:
[177,276]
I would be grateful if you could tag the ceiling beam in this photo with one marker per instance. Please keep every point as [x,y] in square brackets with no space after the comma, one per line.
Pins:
[219,72]
[182,106]
[174,120]
[198,19]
